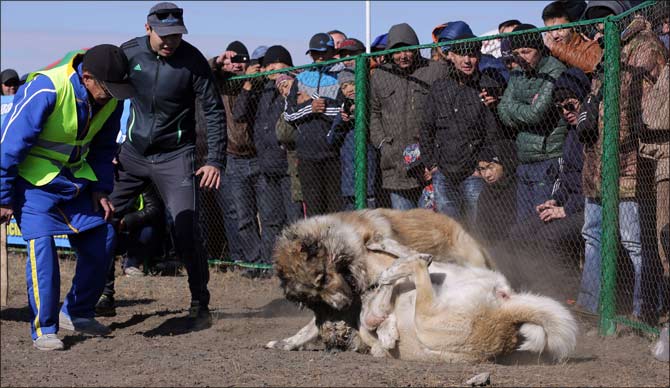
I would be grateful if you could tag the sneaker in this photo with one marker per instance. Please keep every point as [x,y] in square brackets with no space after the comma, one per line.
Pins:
[199,316]
[105,306]
[48,342]
[133,272]
[82,325]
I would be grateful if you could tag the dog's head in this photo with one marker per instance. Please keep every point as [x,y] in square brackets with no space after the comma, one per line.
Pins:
[318,262]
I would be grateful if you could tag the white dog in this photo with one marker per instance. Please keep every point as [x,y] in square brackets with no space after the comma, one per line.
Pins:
[449,312]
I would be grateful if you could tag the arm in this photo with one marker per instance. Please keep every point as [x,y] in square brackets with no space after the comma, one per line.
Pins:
[338,131]
[102,152]
[516,113]
[376,129]
[296,112]
[215,116]
[33,104]
[428,128]
[585,55]
[245,106]
[490,125]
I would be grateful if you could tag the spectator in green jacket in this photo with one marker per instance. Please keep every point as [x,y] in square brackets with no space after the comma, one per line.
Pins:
[527,107]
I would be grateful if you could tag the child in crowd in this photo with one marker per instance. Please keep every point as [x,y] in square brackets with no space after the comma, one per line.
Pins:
[341,135]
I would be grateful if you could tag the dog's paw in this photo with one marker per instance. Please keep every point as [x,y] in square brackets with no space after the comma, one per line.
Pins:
[377,351]
[281,345]
[425,257]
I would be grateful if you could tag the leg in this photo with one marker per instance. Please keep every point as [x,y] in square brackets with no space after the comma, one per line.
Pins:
[405,199]
[226,202]
[304,336]
[292,208]
[177,187]
[589,292]
[43,281]
[471,187]
[271,213]
[629,228]
[448,196]
[244,175]
[330,185]
[94,252]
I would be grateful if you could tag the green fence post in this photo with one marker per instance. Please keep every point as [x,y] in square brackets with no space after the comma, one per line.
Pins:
[610,179]
[361,131]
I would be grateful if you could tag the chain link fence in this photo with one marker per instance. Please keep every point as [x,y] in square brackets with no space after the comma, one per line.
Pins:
[559,166]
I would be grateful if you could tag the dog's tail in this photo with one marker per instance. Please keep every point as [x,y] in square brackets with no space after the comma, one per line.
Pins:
[546,325]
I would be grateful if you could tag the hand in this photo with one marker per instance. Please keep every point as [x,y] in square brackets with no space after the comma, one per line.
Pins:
[428,173]
[489,101]
[211,177]
[5,214]
[224,61]
[254,69]
[545,205]
[345,116]
[318,105]
[552,213]
[303,97]
[101,199]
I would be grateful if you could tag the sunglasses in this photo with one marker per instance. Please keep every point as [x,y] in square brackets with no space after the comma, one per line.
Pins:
[570,107]
[11,82]
[163,14]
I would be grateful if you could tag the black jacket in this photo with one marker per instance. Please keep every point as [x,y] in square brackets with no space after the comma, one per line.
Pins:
[162,115]
[260,108]
[456,124]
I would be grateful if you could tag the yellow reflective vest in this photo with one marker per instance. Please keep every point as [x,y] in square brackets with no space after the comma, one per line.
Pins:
[59,137]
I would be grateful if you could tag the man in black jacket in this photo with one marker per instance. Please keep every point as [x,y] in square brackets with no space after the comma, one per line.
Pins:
[259,105]
[170,74]
[457,124]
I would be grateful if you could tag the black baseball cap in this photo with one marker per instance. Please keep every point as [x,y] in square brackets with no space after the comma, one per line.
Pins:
[167,19]
[109,65]
[321,42]
[8,75]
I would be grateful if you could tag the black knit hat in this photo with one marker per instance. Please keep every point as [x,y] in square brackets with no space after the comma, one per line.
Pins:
[238,47]
[277,54]
[531,40]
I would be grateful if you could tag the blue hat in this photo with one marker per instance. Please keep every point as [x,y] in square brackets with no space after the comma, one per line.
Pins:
[321,42]
[453,31]
[571,83]
[258,54]
[379,43]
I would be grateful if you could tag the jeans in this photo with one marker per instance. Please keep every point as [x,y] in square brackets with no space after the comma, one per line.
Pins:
[265,195]
[629,229]
[225,199]
[405,199]
[535,184]
[457,198]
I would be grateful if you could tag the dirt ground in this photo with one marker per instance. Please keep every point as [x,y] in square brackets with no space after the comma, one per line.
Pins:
[149,347]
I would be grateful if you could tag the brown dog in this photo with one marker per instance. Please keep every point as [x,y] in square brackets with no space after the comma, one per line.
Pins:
[328,262]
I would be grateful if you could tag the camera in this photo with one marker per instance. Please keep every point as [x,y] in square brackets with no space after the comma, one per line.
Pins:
[239,58]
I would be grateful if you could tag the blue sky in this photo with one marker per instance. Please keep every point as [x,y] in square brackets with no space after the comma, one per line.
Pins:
[35,33]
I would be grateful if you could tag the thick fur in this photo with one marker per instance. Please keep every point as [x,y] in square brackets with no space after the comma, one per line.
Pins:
[452,313]
[328,262]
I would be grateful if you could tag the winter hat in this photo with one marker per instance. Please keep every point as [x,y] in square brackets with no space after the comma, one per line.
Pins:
[599,8]
[283,77]
[346,75]
[238,47]
[401,35]
[572,83]
[530,40]
[453,30]
[502,152]
[258,54]
[277,54]
[379,43]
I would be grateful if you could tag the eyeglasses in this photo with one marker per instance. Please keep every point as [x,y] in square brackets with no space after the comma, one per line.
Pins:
[162,14]
[570,106]
[11,82]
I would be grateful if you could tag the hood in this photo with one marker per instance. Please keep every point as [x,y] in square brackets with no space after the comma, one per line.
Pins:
[618,7]
[401,35]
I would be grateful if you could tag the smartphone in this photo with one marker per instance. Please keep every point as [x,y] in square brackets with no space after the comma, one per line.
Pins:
[239,58]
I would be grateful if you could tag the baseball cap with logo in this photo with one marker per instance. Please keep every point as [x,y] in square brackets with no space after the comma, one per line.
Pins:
[167,19]
[109,65]
[321,42]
